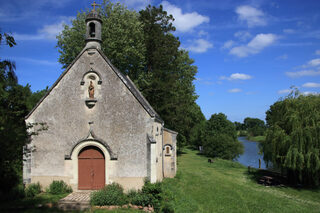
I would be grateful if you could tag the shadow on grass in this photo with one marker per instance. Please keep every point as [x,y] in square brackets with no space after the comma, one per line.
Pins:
[40,203]
[180,152]
[279,180]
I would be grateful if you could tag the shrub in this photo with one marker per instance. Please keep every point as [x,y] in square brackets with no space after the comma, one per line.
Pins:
[110,195]
[59,187]
[141,199]
[33,189]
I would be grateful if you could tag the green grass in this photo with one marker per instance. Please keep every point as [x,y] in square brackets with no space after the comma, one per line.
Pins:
[260,138]
[225,186]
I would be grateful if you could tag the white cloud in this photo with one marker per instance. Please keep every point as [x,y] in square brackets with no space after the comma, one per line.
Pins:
[317,52]
[313,62]
[228,44]
[184,22]
[310,93]
[284,91]
[236,76]
[283,57]
[137,4]
[36,61]
[256,45]
[47,32]
[303,73]
[235,90]
[243,35]
[289,31]
[250,15]
[203,33]
[311,85]
[199,46]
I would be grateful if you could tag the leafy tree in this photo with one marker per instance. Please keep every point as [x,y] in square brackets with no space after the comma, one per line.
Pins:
[15,102]
[122,38]
[293,137]
[221,138]
[34,98]
[12,127]
[254,126]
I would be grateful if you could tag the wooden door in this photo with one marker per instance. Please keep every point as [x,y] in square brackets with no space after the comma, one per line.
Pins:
[91,168]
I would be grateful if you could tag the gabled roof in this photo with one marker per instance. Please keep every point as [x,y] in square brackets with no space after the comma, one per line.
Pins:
[125,79]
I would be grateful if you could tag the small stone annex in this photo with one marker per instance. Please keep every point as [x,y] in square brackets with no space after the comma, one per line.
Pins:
[99,127]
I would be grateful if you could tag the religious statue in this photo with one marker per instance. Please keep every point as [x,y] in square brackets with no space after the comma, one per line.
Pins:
[91,90]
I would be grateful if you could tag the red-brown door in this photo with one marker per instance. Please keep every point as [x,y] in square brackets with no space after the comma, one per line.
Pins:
[91,170]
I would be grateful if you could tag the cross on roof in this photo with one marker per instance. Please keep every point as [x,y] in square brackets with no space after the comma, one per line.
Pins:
[94,5]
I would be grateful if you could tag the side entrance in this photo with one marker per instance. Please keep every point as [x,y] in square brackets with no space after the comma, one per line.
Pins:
[91,171]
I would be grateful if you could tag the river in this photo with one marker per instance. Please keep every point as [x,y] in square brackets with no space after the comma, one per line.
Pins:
[251,155]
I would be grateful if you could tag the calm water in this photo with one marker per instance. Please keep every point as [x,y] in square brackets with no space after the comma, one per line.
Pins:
[251,155]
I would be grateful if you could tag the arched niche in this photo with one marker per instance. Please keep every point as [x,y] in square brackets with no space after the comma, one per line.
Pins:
[167,149]
[91,85]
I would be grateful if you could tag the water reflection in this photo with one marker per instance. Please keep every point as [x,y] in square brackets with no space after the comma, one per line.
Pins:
[251,155]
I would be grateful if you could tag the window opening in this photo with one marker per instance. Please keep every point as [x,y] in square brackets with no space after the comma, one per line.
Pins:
[92,29]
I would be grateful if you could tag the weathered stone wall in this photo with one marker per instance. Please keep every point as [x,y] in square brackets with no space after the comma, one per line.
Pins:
[118,119]
[170,161]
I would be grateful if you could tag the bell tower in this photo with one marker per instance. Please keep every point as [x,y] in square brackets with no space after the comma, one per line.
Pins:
[93,25]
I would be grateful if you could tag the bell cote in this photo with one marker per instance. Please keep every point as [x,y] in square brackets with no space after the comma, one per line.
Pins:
[93,26]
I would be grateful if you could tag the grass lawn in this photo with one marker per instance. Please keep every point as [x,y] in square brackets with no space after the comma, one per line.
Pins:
[225,186]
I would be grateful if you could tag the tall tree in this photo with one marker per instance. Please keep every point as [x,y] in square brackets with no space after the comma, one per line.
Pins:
[293,137]
[170,89]
[13,132]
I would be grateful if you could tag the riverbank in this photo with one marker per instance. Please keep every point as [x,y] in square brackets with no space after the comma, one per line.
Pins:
[226,186]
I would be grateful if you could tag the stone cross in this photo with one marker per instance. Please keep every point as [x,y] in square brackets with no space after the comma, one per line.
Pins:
[94,5]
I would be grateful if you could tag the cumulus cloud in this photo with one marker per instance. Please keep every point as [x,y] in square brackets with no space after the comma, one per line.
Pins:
[243,35]
[47,32]
[310,93]
[235,90]
[236,76]
[252,16]
[228,44]
[284,91]
[302,73]
[313,63]
[184,22]
[256,45]
[199,46]
[311,85]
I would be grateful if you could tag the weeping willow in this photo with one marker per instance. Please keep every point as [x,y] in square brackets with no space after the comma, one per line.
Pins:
[293,138]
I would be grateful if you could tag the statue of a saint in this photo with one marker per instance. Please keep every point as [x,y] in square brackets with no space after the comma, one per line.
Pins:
[91,90]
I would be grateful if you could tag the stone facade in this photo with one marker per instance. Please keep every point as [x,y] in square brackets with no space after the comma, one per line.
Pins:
[118,120]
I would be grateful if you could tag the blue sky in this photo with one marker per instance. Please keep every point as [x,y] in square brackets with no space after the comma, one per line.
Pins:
[248,53]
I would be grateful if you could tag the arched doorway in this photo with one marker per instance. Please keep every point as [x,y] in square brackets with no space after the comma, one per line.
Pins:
[91,168]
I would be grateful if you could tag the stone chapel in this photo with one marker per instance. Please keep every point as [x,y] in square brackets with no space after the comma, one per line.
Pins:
[100,128]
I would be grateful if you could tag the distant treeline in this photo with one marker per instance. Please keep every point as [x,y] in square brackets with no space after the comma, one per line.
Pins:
[251,127]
